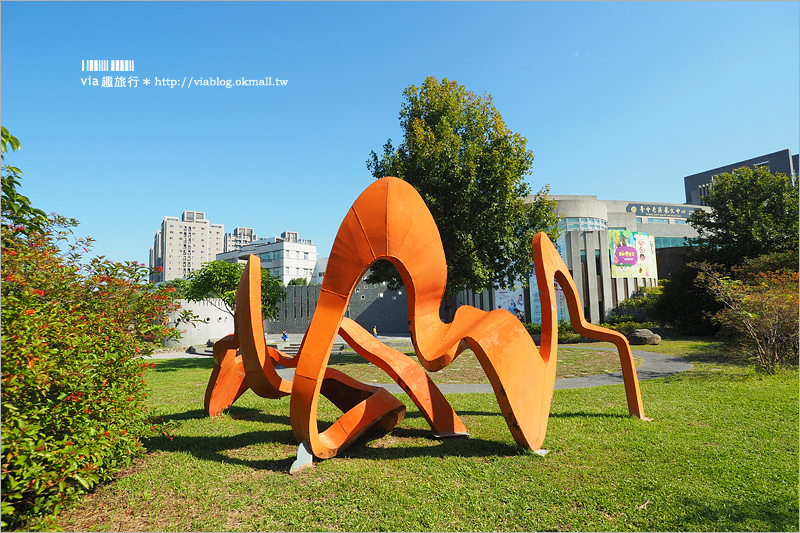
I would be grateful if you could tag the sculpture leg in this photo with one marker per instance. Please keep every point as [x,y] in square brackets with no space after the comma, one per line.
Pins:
[633,394]
[409,375]
[227,382]
[347,393]
[549,267]
[523,381]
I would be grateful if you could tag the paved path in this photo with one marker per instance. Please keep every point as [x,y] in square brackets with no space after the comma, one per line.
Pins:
[655,365]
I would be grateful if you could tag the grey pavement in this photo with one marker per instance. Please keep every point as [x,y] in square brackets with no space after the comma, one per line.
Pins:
[655,365]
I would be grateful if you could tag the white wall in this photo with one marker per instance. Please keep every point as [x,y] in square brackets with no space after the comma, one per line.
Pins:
[214,324]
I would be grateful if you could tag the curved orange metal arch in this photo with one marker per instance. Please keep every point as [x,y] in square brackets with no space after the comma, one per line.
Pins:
[389,220]
[363,405]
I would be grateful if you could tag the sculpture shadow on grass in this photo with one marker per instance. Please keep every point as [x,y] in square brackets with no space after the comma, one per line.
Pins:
[232,449]
[583,414]
[236,413]
[176,365]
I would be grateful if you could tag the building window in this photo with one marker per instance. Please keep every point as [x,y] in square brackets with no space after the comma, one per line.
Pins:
[681,221]
[658,221]
[669,242]
[638,220]
[582,223]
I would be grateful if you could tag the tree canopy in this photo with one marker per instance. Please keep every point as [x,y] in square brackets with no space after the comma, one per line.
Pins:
[754,213]
[219,279]
[469,168]
[752,229]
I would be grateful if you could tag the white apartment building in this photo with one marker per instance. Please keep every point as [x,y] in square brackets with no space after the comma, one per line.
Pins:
[319,270]
[239,238]
[286,257]
[183,246]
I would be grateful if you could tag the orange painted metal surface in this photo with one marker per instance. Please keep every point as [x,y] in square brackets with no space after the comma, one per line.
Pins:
[390,221]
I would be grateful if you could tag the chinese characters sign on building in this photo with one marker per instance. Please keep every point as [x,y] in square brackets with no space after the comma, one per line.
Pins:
[633,254]
[661,210]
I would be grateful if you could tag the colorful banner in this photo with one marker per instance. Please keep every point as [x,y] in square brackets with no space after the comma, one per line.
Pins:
[511,300]
[562,312]
[633,254]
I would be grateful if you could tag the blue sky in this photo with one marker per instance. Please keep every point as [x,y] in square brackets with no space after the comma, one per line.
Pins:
[617,99]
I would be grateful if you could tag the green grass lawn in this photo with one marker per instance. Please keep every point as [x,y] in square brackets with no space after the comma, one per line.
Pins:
[721,454]
[573,361]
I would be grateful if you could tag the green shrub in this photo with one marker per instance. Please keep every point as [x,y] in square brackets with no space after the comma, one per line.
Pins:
[569,338]
[628,326]
[533,329]
[760,309]
[644,298]
[566,334]
[685,306]
[72,386]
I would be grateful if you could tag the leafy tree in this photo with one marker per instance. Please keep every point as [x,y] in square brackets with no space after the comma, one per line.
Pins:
[219,279]
[17,210]
[298,281]
[178,285]
[469,168]
[753,213]
[754,220]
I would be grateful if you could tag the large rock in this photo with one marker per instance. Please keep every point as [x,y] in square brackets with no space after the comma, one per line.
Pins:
[643,336]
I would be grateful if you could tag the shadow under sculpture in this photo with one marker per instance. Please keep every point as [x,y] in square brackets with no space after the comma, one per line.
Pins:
[390,221]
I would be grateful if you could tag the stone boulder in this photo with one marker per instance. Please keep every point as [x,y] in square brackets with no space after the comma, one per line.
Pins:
[643,336]
[200,349]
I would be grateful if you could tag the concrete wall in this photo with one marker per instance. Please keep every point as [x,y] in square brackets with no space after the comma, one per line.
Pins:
[296,311]
[374,305]
[580,206]
[371,306]
[214,323]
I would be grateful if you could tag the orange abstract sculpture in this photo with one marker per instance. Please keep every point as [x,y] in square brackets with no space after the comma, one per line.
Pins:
[390,221]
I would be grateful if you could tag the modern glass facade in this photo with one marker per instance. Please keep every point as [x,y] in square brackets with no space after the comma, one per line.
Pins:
[582,224]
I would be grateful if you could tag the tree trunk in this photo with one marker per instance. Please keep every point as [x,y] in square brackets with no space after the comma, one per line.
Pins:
[449,313]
